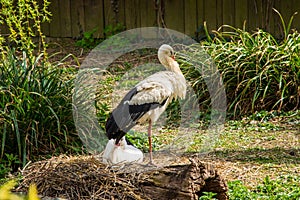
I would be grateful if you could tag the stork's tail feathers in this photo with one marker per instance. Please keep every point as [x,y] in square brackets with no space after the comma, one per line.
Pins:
[112,129]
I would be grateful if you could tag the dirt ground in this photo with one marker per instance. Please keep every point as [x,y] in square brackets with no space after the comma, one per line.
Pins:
[59,48]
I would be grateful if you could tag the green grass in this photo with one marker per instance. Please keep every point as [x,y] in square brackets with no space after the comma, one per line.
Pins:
[36,106]
[259,72]
[283,187]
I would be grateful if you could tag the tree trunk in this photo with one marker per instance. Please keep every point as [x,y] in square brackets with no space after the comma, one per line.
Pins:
[183,181]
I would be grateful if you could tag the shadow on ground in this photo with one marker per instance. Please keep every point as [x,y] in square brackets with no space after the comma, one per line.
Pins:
[276,155]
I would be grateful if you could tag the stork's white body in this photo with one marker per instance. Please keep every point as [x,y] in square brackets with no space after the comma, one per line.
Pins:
[148,99]
[157,88]
[114,154]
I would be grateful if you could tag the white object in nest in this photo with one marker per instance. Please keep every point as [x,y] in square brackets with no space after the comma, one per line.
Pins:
[123,152]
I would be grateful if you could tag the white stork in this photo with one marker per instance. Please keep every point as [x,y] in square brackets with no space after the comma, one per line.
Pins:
[148,99]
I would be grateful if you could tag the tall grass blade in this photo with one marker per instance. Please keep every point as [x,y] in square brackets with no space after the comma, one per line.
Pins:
[3,139]
[286,28]
[207,33]
[17,131]
[56,117]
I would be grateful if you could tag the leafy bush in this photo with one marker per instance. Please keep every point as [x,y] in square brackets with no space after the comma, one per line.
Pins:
[36,106]
[111,30]
[89,41]
[208,196]
[24,19]
[258,71]
[7,165]
[193,61]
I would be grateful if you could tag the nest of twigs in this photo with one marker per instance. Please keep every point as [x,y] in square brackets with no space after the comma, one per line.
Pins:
[80,178]
[86,177]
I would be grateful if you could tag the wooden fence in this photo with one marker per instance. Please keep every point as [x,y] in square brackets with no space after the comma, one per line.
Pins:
[71,18]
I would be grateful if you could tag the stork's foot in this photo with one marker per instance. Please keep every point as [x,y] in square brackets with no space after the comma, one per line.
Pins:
[152,164]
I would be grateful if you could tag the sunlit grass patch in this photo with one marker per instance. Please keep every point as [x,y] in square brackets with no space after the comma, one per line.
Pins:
[282,187]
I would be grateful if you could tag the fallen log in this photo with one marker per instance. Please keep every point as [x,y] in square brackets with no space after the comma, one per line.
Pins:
[187,181]
[86,178]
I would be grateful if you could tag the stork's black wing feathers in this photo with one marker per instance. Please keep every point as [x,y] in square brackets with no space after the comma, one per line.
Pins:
[125,116]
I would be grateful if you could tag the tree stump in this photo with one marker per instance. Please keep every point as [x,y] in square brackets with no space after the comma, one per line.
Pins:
[86,177]
[183,181]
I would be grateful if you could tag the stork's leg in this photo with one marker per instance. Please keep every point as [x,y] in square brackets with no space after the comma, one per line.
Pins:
[150,141]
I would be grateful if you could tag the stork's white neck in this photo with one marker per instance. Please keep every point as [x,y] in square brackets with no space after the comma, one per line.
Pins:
[171,65]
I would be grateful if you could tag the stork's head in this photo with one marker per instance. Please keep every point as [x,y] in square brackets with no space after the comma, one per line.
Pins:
[167,57]
[164,52]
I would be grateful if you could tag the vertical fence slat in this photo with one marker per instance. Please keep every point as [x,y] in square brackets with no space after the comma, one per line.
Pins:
[252,14]
[109,18]
[93,14]
[114,14]
[240,13]
[121,14]
[54,25]
[270,14]
[200,13]
[77,18]
[132,14]
[190,17]
[200,19]
[65,20]
[277,23]
[210,14]
[46,28]
[228,13]
[272,20]
[148,16]
[260,4]
[219,13]
[174,16]
[296,8]
[286,10]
